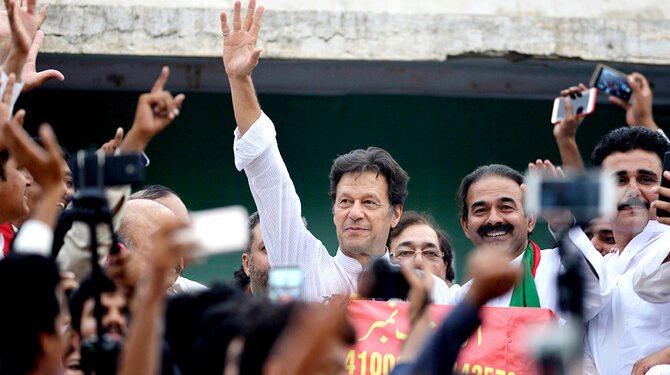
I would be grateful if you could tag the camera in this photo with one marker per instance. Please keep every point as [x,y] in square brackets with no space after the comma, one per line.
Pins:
[384,281]
[92,170]
[586,196]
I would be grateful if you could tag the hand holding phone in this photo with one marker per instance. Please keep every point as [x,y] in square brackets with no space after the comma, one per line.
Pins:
[611,82]
[664,184]
[285,283]
[218,230]
[583,103]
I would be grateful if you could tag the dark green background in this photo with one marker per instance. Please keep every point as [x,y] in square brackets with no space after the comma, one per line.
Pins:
[437,140]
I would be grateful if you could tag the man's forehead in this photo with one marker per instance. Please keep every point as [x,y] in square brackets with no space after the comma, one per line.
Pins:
[494,188]
[362,183]
[632,161]
[417,234]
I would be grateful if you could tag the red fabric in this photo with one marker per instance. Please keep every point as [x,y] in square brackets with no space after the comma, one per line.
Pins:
[499,346]
[7,232]
[537,254]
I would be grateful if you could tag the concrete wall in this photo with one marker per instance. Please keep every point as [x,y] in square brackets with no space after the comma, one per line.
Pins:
[392,30]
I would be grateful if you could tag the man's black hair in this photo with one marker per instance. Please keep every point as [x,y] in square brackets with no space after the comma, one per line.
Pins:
[4,156]
[372,159]
[410,218]
[257,320]
[627,139]
[153,192]
[498,170]
[85,292]
[262,335]
[30,307]
[183,315]
[240,279]
[253,221]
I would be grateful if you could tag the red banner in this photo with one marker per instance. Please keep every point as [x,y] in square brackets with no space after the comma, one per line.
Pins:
[498,347]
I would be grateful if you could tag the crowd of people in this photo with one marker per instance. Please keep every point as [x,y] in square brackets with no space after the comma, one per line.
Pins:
[108,297]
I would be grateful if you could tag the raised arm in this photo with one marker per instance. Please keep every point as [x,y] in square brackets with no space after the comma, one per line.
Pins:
[565,132]
[24,23]
[46,166]
[639,108]
[286,238]
[240,57]
[155,111]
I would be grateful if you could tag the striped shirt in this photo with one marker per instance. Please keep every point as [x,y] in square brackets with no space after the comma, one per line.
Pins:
[285,236]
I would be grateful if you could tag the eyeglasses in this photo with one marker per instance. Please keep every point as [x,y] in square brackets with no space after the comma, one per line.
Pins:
[428,254]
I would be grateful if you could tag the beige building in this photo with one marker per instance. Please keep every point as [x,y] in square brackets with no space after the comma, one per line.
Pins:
[519,48]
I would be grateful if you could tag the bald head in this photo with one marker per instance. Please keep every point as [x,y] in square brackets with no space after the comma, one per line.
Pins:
[141,220]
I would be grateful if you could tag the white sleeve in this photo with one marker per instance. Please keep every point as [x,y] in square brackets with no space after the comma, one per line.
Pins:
[441,293]
[599,283]
[286,238]
[34,237]
[651,281]
[18,86]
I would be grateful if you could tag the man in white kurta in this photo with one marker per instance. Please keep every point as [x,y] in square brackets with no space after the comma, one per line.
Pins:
[365,206]
[629,328]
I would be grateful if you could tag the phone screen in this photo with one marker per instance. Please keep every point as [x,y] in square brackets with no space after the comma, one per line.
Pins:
[285,283]
[613,83]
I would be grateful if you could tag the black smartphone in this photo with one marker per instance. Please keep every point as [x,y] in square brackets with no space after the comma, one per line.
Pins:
[124,169]
[611,82]
[666,184]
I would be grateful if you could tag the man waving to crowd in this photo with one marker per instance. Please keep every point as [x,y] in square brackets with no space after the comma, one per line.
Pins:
[367,186]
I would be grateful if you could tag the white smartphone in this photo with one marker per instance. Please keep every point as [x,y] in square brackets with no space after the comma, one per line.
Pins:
[583,103]
[218,230]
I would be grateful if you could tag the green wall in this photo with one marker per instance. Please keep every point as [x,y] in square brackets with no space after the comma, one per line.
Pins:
[437,140]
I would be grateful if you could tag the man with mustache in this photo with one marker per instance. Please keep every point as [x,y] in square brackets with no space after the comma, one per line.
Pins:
[492,216]
[628,327]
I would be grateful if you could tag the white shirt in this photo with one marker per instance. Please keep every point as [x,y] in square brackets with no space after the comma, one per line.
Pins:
[545,282]
[651,281]
[184,285]
[288,241]
[34,237]
[628,328]
[596,285]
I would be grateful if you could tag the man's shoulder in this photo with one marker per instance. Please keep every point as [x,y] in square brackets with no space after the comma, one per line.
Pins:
[549,253]
[184,285]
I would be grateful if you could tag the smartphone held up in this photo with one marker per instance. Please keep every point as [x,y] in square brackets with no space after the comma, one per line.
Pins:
[611,82]
[583,103]
[217,231]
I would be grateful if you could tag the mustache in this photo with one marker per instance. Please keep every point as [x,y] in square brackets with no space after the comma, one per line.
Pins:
[487,228]
[632,202]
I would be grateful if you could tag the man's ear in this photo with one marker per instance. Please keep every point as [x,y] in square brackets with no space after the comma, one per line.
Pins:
[245,263]
[532,221]
[397,213]
[465,227]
